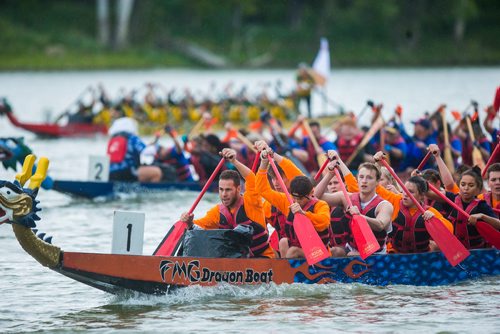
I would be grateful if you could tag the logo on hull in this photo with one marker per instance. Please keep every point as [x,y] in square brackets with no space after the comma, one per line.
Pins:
[195,273]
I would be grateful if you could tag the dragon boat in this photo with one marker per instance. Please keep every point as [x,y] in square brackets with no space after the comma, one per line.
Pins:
[112,189]
[53,130]
[162,274]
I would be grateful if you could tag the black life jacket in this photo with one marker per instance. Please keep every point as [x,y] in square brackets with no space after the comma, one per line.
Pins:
[260,239]
[339,223]
[278,221]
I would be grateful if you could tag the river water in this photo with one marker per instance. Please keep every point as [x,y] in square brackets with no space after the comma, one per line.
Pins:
[34,298]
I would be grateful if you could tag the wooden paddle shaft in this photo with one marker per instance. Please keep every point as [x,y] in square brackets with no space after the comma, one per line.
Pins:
[245,141]
[207,185]
[311,135]
[377,125]
[398,180]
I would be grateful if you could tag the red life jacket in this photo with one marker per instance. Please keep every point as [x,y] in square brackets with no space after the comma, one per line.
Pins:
[260,239]
[278,221]
[290,231]
[339,224]
[347,147]
[410,234]
[117,148]
[368,211]
[466,233]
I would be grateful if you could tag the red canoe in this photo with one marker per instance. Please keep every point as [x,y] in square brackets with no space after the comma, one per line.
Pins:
[54,130]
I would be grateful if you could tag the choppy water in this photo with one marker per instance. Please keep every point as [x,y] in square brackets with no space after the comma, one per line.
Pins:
[33,298]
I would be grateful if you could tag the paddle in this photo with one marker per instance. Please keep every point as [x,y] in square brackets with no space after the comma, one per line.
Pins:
[424,161]
[377,125]
[448,158]
[265,118]
[366,242]
[477,158]
[451,247]
[488,232]
[491,159]
[323,166]
[321,158]
[171,242]
[369,103]
[314,249]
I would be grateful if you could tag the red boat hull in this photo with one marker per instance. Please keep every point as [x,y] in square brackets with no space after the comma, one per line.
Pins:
[54,130]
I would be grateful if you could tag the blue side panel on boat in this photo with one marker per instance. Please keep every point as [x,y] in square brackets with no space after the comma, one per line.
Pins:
[91,189]
[428,269]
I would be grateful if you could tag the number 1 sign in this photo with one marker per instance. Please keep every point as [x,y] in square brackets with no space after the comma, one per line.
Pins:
[128,232]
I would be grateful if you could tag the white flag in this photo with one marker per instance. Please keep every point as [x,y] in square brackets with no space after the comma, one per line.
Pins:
[321,65]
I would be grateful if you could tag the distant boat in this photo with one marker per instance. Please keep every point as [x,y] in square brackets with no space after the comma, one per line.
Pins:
[92,189]
[54,130]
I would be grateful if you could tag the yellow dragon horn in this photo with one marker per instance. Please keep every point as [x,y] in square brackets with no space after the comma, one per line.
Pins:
[41,172]
[26,172]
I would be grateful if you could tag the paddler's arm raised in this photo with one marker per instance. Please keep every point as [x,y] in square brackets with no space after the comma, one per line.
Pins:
[251,198]
[332,199]
[276,198]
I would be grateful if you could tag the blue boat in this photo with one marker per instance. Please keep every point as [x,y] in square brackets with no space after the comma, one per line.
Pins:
[92,189]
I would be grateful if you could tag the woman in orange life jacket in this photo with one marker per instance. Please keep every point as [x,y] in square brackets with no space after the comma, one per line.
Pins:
[301,189]
[492,197]
[470,186]
[288,171]
[409,233]
[388,182]
[377,211]
[236,208]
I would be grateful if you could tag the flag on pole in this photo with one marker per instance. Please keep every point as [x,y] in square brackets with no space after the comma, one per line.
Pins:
[321,66]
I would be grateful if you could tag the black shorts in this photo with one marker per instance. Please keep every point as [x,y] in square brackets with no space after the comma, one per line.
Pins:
[122,175]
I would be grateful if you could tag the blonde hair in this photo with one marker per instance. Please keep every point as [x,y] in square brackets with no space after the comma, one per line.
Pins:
[385,172]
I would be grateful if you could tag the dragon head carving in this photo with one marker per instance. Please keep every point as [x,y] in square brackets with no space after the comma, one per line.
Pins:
[18,205]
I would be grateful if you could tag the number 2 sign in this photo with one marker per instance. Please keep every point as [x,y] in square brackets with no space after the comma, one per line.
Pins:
[98,168]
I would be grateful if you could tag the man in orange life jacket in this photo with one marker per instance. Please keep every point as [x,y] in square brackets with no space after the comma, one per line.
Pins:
[236,208]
